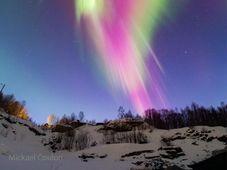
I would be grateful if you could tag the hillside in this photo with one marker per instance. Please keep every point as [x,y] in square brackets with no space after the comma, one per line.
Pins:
[24,145]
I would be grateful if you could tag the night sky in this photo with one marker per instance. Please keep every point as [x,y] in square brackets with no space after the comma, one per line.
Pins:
[48,58]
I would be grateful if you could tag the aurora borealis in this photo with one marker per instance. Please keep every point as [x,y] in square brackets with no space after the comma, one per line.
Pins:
[121,32]
[95,55]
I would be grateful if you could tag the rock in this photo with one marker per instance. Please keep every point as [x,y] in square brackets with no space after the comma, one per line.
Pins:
[53,147]
[195,134]
[171,152]
[178,137]
[195,143]
[136,153]
[93,144]
[223,138]
[166,141]
[172,155]
[209,139]
[38,133]
[76,124]
[5,125]
[91,156]
[190,130]
[123,125]
[85,156]
[151,157]
[62,128]
[155,164]
[46,126]
[119,127]
[10,120]
[201,135]
[103,156]
[203,138]
[25,125]
[137,163]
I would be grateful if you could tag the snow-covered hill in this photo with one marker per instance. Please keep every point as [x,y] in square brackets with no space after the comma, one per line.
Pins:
[24,145]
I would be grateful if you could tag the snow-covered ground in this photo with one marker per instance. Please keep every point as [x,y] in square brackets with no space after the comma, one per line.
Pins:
[22,149]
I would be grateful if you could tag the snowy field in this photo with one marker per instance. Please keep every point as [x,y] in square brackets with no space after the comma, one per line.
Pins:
[21,148]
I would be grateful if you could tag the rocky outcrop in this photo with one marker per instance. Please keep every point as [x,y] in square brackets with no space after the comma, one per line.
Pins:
[223,138]
[36,132]
[171,152]
[194,134]
[62,128]
[76,124]
[123,125]
[177,136]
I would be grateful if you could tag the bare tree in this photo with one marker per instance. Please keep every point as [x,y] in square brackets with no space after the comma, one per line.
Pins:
[81,116]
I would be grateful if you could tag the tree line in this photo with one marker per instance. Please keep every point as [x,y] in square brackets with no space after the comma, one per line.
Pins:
[193,115]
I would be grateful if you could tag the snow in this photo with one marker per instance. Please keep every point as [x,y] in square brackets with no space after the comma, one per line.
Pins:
[19,141]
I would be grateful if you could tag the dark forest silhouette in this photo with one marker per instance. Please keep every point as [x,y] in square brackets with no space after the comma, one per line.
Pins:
[193,115]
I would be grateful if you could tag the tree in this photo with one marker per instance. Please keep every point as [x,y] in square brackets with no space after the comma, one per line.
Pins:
[81,116]
[129,114]
[13,107]
[64,120]
[137,116]
[73,117]
[121,112]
